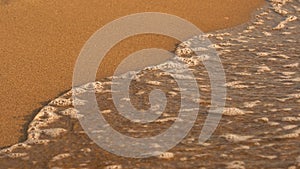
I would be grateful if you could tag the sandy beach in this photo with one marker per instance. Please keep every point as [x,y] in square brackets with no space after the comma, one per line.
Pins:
[254,124]
[40,41]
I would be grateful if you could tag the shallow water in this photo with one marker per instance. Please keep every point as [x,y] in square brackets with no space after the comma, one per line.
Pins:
[259,128]
[42,38]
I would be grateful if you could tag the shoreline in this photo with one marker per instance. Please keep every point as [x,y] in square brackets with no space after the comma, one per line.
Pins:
[261,64]
[22,116]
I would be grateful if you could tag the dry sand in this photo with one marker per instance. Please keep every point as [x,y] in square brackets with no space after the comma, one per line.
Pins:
[40,41]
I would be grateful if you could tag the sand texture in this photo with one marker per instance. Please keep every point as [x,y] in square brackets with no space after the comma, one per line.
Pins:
[260,124]
[40,41]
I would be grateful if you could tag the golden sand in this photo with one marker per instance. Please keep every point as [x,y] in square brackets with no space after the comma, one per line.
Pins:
[40,41]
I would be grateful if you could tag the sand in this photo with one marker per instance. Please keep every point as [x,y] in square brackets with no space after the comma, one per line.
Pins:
[40,41]
[260,123]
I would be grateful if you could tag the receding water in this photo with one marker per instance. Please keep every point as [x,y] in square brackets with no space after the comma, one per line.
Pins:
[260,124]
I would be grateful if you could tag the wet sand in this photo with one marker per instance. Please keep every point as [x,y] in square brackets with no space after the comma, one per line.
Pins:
[260,123]
[40,41]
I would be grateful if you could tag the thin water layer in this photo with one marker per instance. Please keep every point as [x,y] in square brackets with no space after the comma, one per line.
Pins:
[260,124]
